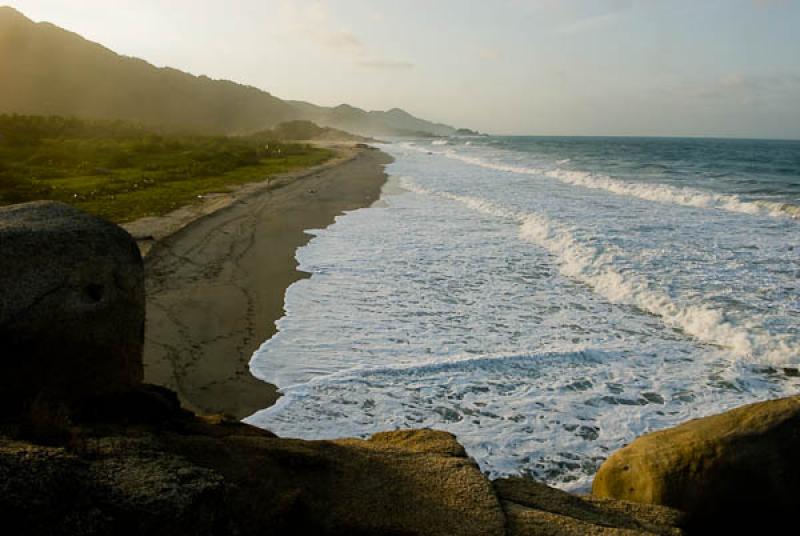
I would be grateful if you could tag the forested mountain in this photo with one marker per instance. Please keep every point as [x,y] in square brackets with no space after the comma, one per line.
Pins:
[46,70]
[395,122]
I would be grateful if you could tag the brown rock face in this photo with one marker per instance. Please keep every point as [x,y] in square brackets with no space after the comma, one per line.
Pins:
[220,479]
[737,467]
[71,306]
[535,508]
[87,449]
[410,482]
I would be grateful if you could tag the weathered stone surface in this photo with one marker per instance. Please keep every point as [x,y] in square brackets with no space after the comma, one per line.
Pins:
[71,305]
[533,508]
[52,491]
[416,482]
[729,468]
[126,472]
[42,489]
[144,493]
[199,478]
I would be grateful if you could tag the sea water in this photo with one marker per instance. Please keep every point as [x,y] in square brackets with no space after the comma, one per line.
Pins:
[547,300]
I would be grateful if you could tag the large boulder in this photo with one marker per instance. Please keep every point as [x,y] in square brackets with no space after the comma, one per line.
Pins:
[71,306]
[736,467]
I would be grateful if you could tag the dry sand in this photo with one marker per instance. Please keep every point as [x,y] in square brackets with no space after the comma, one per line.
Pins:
[216,286]
[148,231]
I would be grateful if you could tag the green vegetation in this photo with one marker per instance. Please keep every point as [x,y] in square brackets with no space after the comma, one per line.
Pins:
[49,71]
[45,70]
[306,130]
[122,171]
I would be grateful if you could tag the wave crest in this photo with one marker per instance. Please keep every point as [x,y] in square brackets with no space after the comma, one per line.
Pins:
[594,266]
[659,193]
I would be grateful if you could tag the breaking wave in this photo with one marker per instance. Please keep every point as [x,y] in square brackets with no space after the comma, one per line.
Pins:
[659,193]
[594,266]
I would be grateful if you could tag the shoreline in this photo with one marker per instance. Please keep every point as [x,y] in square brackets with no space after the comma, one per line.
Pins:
[217,274]
[150,230]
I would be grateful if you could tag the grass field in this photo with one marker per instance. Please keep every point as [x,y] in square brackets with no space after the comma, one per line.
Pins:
[122,172]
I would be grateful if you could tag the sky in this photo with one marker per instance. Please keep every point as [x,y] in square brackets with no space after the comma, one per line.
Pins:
[728,68]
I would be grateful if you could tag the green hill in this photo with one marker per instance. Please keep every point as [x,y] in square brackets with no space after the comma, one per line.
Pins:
[300,129]
[46,70]
[395,122]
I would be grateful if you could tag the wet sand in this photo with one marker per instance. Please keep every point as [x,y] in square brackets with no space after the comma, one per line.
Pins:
[216,287]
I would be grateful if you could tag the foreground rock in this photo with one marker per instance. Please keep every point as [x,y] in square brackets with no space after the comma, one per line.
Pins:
[86,449]
[738,467]
[534,508]
[228,478]
[71,306]
[172,473]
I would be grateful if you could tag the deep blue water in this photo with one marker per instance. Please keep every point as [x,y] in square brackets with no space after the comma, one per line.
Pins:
[753,169]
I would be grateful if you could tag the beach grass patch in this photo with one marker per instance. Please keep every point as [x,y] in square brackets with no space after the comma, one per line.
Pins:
[122,172]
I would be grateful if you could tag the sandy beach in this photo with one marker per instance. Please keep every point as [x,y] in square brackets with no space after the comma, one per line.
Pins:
[217,274]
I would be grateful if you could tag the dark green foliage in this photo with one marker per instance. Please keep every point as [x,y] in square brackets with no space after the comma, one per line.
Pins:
[305,130]
[45,70]
[298,130]
[123,171]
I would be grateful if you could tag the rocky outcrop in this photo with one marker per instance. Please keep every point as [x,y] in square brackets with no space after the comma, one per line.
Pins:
[534,508]
[71,306]
[418,482]
[195,477]
[89,450]
[184,475]
[737,467]
[53,491]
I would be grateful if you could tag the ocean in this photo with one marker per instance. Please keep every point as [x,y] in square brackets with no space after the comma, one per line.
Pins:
[547,300]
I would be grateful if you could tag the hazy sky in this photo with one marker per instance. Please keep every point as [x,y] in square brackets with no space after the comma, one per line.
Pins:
[582,67]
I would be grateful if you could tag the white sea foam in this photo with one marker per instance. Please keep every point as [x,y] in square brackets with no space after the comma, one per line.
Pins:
[595,267]
[659,193]
[550,415]
[662,193]
[544,324]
